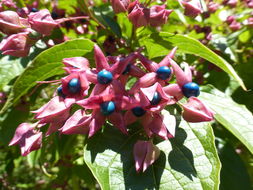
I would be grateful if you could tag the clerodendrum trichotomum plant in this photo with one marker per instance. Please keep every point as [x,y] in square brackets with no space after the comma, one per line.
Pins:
[115,103]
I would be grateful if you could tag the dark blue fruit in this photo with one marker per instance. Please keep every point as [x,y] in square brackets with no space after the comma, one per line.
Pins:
[107,108]
[74,86]
[156,99]
[138,111]
[104,77]
[191,89]
[163,72]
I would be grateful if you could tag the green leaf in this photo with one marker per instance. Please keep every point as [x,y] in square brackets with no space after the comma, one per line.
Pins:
[110,22]
[234,175]
[46,65]
[234,117]
[189,161]
[10,67]
[158,44]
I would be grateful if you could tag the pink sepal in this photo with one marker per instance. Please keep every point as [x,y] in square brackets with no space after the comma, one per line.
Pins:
[145,154]
[196,111]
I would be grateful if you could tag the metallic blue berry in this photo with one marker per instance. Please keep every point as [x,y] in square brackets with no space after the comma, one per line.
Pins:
[191,89]
[127,69]
[156,99]
[74,86]
[34,10]
[107,108]
[60,92]
[104,77]
[138,111]
[163,72]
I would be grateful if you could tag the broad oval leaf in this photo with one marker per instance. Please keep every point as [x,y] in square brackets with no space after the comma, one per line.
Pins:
[158,44]
[189,161]
[46,65]
[234,117]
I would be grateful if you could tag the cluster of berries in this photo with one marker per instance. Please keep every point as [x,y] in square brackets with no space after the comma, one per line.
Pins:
[102,96]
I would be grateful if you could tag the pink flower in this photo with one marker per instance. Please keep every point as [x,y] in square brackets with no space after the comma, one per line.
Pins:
[120,5]
[212,6]
[145,154]
[105,75]
[158,15]
[153,123]
[106,105]
[16,45]
[27,138]
[11,23]
[42,22]
[192,7]
[234,26]
[196,111]
[138,14]
[230,19]
[160,73]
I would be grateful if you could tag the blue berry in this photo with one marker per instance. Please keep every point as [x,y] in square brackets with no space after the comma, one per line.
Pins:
[34,10]
[191,89]
[138,111]
[156,99]
[74,86]
[104,77]
[163,72]
[60,92]
[107,108]
[127,69]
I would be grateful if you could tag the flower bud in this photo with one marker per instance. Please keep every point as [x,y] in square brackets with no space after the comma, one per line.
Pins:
[192,8]
[10,22]
[234,26]
[120,5]
[212,7]
[158,15]
[139,15]
[27,138]
[16,45]
[196,111]
[42,22]
[145,154]
[230,19]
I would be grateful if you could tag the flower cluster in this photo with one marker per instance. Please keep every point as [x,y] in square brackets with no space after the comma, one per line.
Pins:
[102,96]
[140,15]
[23,32]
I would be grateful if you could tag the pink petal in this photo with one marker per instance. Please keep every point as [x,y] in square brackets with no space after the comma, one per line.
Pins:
[175,91]
[196,111]
[118,121]
[31,143]
[76,64]
[166,60]
[100,59]
[21,130]
[157,126]
[140,151]
[152,155]
[181,77]
[145,81]
[151,66]
[78,123]
[129,117]
[96,122]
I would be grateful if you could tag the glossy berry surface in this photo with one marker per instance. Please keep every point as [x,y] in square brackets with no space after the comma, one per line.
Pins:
[107,108]
[60,92]
[191,89]
[163,72]
[34,10]
[138,111]
[156,99]
[74,86]
[104,77]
